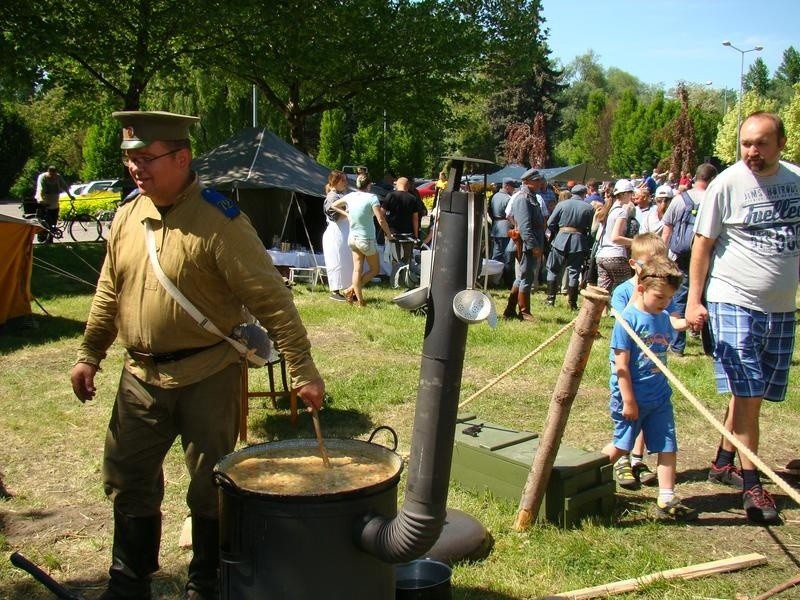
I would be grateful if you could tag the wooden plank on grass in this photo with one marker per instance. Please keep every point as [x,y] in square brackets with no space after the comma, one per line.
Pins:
[691,572]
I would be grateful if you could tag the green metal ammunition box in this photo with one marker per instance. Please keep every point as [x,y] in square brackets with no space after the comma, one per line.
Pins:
[497,458]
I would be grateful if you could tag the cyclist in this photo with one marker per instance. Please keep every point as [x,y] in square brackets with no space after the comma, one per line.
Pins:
[48,187]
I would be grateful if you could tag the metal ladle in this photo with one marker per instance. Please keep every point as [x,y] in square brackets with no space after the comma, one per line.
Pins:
[471,305]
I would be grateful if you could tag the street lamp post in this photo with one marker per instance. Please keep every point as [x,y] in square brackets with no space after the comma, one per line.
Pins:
[741,85]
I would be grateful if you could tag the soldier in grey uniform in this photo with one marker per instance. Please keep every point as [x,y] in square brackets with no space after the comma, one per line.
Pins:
[500,227]
[178,379]
[570,222]
[526,216]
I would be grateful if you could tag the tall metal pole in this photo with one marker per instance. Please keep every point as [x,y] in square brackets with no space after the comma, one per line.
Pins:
[255,106]
[741,91]
[739,119]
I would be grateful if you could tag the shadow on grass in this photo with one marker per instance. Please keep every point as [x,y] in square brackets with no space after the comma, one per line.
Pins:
[37,329]
[336,423]
[163,586]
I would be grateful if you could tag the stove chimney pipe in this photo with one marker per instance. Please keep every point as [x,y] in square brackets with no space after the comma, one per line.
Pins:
[419,523]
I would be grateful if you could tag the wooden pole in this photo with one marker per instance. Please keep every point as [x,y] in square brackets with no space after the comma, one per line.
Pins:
[691,572]
[580,346]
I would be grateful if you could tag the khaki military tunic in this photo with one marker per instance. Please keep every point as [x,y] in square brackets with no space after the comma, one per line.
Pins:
[218,263]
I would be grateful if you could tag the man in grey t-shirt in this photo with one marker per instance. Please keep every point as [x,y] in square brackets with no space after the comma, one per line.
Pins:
[747,258]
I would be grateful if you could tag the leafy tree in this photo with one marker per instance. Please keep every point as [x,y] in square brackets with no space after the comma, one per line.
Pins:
[590,143]
[582,77]
[57,124]
[147,37]
[791,120]
[101,153]
[623,160]
[406,150]
[331,139]
[757,78]
[368,148]
[517,67]
[15,146]
[725,144]
[789,70]
[311,62]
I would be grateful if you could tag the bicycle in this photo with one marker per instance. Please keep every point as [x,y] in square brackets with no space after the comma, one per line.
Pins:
[105,217]
[81,226]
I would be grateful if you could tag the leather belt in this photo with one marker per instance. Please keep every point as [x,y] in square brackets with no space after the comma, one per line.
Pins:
[167,356]
[570,230]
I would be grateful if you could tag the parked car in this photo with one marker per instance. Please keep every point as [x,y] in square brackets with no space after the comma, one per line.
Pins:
[94,189]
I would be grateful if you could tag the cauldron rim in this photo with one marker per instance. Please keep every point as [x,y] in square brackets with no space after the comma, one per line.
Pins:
[388,456]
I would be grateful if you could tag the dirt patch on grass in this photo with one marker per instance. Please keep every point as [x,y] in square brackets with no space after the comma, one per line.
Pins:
[53,524]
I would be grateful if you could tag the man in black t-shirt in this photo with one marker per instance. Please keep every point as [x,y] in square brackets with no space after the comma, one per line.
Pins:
[402,214]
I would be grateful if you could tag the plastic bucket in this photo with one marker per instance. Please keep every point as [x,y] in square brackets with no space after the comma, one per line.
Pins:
[423,580]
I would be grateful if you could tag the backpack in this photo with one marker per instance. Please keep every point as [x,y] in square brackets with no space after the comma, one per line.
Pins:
[680,243]
[631,224]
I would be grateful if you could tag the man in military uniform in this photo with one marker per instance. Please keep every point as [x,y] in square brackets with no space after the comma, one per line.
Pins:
[526,215]
[570,224]
[500,227]
[178,378]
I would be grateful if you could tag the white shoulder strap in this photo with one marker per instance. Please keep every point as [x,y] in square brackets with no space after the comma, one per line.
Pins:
[202,320]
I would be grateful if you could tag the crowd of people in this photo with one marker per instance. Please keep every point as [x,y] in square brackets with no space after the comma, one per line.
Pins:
[737,276]
[716,255]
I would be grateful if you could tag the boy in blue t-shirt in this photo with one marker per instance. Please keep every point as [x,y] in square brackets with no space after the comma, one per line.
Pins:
[630,471]
[640,393]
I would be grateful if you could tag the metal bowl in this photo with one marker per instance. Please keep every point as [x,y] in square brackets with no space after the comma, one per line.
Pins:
[412,299]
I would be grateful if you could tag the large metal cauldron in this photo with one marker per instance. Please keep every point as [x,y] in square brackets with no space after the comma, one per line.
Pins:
[275,547]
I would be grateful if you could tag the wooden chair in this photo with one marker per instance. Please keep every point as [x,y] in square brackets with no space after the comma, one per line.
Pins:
[271,393]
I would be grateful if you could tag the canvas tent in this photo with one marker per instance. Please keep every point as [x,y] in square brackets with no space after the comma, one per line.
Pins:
[16,247]
[270,179]
[580,173]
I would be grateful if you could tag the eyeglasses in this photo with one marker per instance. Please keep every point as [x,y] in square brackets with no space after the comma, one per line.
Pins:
[662,201]
[142,161]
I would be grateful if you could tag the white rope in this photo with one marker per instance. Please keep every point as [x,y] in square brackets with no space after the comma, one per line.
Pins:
[779,481]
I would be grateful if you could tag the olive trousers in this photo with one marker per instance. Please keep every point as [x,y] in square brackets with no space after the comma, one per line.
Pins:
[145,422]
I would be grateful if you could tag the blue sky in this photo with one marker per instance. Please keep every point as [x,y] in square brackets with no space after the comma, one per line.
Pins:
[664,41]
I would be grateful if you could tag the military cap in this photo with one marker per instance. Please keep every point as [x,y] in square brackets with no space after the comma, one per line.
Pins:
[142,128]
[578,189]
[531,175]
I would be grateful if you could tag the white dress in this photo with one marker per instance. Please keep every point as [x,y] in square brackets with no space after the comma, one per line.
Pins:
[338,258]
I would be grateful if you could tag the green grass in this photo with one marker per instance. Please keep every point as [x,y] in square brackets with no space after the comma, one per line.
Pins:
[370,358]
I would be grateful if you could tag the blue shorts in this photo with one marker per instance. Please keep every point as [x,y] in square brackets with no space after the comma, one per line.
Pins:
[752,350]
[656,420]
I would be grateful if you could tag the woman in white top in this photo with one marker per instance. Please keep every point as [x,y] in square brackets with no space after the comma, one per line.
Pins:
[338,259]
[612,257]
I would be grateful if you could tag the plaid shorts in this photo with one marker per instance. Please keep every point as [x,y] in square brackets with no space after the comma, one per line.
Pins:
[752,350]
[611,271]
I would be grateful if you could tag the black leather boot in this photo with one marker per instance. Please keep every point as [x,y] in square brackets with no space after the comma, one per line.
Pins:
[134,557]
[203,581]
[511,308]
[572,295]
[552,290]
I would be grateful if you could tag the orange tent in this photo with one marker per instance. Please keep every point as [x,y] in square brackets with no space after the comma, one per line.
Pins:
[16,248]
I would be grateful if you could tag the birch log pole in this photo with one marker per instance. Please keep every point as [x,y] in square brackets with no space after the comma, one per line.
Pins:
[580,346]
